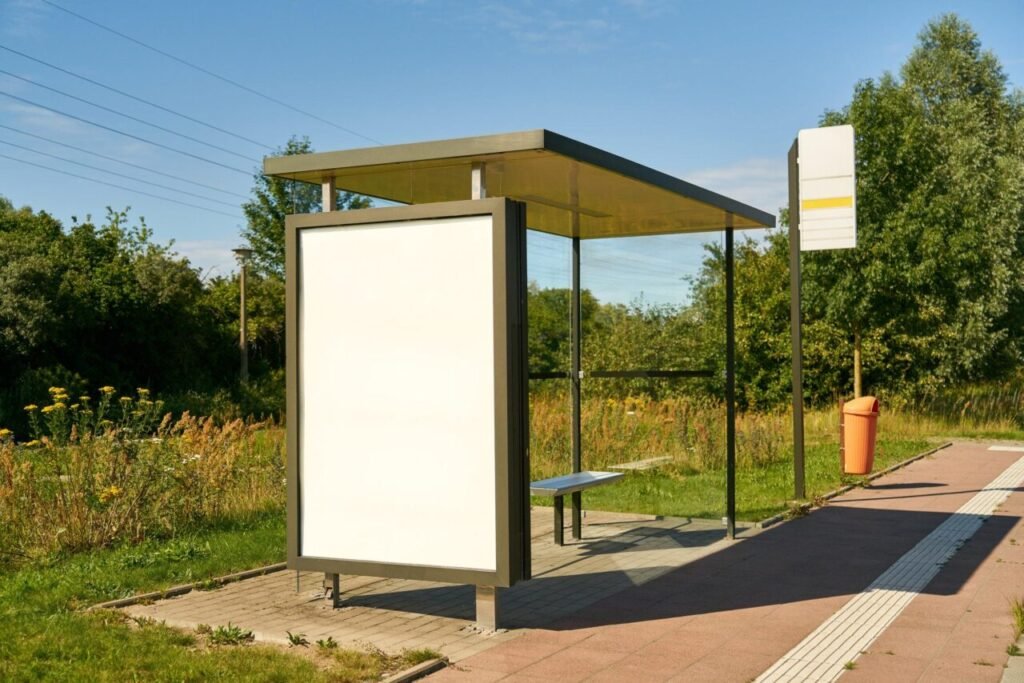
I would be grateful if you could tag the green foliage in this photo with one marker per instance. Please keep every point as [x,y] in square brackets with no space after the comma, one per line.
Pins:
[931,285]
[229,634]
[99,302]
[273,199]
[934,291]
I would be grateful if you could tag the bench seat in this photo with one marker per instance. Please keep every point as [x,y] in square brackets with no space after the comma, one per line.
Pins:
[569,484]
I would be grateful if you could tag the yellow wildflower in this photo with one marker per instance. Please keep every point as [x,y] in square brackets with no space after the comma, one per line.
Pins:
[126,400]
[33,443]
[107,390]
[143,392]
[32,407]
[5,434]
[75,406]
[55,406]
[111,491]
[57,390]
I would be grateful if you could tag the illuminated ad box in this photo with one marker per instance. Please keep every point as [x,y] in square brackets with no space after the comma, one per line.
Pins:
[407,392]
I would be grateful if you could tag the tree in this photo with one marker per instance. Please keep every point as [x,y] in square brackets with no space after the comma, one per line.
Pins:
[273,199]
[98,305]
[940,187]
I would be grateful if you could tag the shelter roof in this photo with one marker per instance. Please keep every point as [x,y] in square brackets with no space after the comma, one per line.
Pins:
[570,188]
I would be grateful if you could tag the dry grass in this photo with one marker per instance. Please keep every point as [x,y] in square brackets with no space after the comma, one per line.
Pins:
[90,481]
[692,431]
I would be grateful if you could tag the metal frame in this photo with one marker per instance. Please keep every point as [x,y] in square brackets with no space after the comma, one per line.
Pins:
[511,423]
[795,326]
[313,168]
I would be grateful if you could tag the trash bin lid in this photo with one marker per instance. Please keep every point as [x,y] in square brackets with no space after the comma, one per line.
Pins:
[865,405]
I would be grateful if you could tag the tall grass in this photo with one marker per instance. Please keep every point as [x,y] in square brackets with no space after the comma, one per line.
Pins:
[692,431]
[95,477]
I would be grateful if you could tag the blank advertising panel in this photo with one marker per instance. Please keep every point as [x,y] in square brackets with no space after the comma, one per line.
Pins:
[828,188]
[408,438]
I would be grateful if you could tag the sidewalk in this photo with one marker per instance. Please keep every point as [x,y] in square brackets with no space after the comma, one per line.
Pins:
[732,615]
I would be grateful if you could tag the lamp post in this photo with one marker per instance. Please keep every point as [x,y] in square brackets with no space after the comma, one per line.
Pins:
[242,254]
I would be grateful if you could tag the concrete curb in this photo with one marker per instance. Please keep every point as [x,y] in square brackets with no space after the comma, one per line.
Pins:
[806,507]
[188,587]
[419,671]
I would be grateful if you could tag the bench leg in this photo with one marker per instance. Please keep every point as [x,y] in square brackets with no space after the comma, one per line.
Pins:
[577,508]
[560,520]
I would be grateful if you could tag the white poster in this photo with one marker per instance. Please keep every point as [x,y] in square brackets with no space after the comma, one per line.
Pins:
[397,393]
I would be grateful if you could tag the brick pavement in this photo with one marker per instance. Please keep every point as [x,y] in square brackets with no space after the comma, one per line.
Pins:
[731,615]
[619,551]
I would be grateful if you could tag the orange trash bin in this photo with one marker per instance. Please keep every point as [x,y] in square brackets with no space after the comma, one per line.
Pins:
[860,424]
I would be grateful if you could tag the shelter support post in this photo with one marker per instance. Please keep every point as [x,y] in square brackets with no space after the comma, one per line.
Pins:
[329,202]
[577,377]
[328,195]
[487,607]
[730,381]
[795,326]
[487,597]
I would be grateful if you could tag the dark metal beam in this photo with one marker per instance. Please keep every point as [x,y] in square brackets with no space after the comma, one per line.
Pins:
[730,383]
[628,374]
[577,369]
[796,332]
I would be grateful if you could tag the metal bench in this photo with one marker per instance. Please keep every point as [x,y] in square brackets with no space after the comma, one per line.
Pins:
[566,484]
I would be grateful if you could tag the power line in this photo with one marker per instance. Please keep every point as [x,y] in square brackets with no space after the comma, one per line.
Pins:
[138,99]
[122,161]
[127,135]
[225,79]
[129,116]
[120,187]
[114,173]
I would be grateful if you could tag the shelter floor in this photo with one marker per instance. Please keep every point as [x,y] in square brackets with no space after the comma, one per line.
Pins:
[618,551]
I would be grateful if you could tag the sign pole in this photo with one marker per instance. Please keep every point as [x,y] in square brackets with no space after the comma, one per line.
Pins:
[796,336]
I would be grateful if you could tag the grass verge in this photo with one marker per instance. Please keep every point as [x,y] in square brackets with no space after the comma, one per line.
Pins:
[45,636]
[760,491]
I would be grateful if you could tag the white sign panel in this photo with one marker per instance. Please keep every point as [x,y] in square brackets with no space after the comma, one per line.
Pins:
[397,406]
[828,197]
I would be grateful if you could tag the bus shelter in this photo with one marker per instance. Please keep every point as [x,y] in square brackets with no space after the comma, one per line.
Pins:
[366,309]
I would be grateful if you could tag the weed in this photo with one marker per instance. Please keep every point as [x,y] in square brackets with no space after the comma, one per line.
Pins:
[1014,650]
[420,655]
[297,639]
[230,635]
[204,629]
[327,644]
[1017,612]
[850,666]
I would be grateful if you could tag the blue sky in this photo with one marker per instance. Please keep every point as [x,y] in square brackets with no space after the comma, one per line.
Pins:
[710,92]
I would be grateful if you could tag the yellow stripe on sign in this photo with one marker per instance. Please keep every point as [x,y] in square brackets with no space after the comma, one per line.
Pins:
[827,203]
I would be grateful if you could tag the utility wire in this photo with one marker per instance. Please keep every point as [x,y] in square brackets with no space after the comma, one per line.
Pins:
[225,79]
[129,116]
[120,187]
[114,173]
[122,161]
[121,132]
[138,99]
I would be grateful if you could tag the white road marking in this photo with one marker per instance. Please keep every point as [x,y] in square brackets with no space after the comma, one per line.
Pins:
[822,655]
[1011,449]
